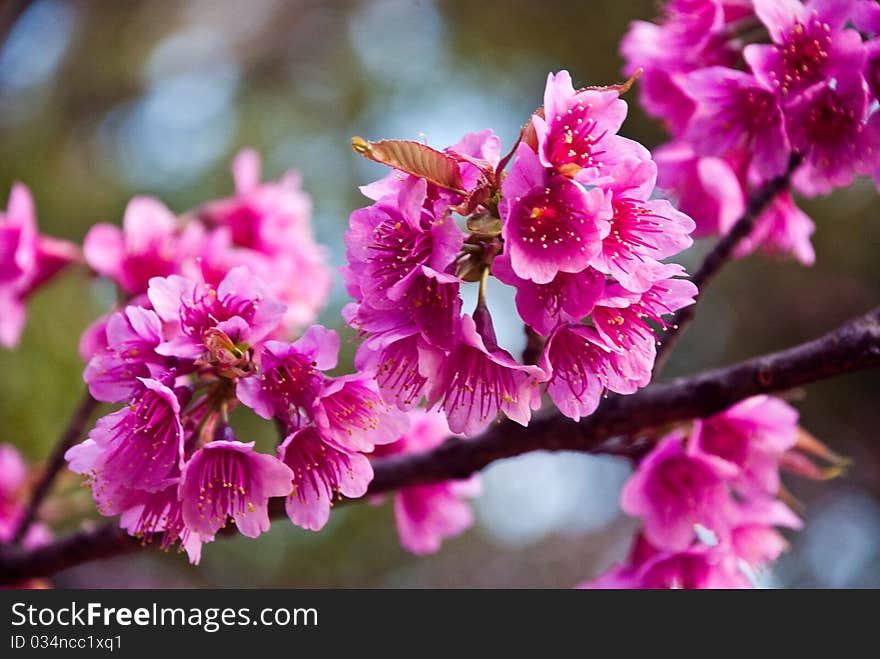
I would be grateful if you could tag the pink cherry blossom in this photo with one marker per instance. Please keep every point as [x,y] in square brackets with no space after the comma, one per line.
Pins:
[240,308]
[290,373]
[581,367]
[577,134]
[550,224]
[350,414]
[672,491]
[828,126]
[750,436]
[699,567]
[783,229]
[147,246]
[267,226]
[691,35]
[143,442]
[476,380]
[754,538]
[389,242]
[734,111]
[393,357]
[809,44]
[264,217]
[229,480]
[131,338]
[320,472]
[154,513]
[642,231]
[428,514]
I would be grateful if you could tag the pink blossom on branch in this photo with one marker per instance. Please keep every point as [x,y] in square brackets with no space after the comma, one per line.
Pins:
[829,126]
[708,503]
[573,217]
[577,134]
[672,491]
[809,44]
[321,471]
[196,313]
[131,337]
[549,223]
[428,514]
[745,86]
[290,373]
[734,111]
[228,480]
[147,246]
[477,379]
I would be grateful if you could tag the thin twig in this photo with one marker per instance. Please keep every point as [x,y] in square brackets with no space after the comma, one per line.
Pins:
[534,346]
[615,429]
[72,433]
[721,253]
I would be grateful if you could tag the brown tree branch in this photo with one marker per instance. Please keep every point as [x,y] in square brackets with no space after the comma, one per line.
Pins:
[721,253]
[72,433]
[852,347]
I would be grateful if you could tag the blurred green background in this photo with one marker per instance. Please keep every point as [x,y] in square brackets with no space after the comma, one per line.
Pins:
[102,100]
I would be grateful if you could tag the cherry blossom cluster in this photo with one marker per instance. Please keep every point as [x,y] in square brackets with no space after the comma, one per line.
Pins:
[208,302]
[204,330]
[747,87]
[709,501]
[571,226]
[265,226]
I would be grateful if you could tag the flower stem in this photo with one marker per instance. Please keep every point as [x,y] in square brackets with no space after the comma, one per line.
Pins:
[484,280]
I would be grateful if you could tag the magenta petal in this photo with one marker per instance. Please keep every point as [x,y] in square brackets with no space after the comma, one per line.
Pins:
[320,472]
[555,228]
[428,514]
[246,171]
[227,479]
[12,319]
[322,344]
[351,415]
[166,293]
[104,249]
[543,306]
[472,384]
[579,364]
[672,491]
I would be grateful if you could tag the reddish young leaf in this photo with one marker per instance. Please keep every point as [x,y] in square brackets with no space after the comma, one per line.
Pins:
[413,158]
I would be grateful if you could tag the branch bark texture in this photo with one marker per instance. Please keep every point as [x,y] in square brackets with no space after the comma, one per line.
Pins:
[616,428]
